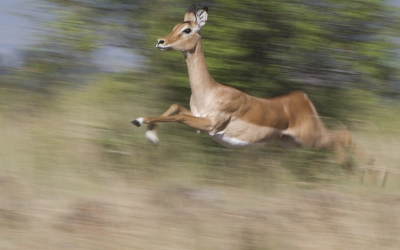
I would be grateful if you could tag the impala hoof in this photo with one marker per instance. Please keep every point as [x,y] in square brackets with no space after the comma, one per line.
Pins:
[138,122]
[151,135]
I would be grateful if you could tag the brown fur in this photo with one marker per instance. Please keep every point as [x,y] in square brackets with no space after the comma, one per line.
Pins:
[290,120]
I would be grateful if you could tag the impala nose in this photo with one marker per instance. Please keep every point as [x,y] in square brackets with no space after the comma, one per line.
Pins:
[161,45]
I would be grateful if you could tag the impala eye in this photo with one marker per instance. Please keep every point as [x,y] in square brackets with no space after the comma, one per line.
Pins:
[187,31]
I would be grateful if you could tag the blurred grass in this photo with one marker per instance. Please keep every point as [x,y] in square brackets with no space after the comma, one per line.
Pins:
[75,174]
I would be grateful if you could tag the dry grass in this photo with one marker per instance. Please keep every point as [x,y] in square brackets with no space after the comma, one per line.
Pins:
[150,215]
[78,176]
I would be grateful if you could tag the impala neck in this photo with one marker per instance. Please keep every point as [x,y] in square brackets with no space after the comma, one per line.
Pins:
[200,79]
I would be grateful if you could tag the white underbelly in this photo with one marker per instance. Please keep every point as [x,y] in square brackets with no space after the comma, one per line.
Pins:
[231,142]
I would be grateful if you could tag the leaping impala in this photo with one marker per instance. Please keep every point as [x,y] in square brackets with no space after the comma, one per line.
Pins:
[231,117]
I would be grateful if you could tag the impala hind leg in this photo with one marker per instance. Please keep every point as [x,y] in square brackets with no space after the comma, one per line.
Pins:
[349,151]
[151,133]
[288,141]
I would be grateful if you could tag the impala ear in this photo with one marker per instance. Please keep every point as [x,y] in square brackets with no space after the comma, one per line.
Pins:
[201,17]
[190,14]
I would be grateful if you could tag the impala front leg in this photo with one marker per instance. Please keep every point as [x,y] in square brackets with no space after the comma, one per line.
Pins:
[151,133]
[173,110]
[198,123]
[176,109]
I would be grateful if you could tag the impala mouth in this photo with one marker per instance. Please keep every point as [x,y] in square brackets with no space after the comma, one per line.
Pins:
[162,47]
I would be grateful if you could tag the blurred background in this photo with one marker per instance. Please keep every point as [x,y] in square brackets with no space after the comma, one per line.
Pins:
[75,174]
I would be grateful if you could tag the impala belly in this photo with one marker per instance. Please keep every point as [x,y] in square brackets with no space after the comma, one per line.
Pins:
[233,142]
[239,134]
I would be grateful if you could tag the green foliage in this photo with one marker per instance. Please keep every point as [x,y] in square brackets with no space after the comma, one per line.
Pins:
[336,51]
[267,48]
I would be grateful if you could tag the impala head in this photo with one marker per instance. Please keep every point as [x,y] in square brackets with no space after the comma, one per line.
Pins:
[185,36]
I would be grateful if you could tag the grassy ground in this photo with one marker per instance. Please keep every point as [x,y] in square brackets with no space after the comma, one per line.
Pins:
[75,174]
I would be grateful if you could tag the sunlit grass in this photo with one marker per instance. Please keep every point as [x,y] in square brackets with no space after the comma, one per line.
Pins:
[74,173]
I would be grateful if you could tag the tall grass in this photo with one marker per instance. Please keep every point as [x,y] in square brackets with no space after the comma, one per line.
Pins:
[74,173]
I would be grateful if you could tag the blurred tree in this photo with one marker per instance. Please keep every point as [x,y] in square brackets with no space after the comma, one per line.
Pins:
[265,48]
[268,48]
[71,35]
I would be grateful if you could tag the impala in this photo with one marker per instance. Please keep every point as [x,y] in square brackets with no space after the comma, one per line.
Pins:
[231,117]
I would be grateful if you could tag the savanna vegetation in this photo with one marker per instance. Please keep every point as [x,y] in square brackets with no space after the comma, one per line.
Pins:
[75,174]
